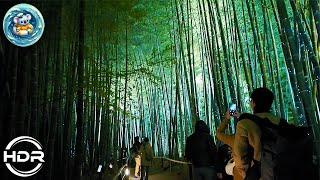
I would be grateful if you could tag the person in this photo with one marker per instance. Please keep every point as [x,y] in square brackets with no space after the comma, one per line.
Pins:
[224,155]
[201,152]
[136,155]
[247,144]
[123,156]
[228,139]
[146,158]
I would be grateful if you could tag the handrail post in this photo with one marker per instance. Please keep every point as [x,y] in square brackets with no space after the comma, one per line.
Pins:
[162,163]
[190,171]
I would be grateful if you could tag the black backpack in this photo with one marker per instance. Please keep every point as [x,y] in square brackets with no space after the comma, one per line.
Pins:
[286,151]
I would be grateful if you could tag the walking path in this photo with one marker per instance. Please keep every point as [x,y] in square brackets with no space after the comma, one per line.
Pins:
[162,175]
[161,169]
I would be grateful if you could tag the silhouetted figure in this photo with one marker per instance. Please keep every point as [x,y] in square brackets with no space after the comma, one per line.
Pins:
[224,155]
[146,158]
[123,156]
[201,151]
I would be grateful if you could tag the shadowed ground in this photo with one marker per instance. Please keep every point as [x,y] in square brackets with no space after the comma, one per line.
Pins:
[175,174]
[160,170]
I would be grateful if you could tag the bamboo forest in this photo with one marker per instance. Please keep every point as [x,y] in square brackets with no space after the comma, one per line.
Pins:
[106,71]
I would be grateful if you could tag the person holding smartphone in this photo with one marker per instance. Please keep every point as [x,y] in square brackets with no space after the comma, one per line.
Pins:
[226,138]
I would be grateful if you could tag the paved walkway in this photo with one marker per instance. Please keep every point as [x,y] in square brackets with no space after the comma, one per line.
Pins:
[162,175]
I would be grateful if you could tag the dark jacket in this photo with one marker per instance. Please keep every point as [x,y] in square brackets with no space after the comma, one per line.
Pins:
[135,150]
[146,154]
[200,146]
[223,156]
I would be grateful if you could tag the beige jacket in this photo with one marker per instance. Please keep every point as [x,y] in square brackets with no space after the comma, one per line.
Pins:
[248,134]
[229,140]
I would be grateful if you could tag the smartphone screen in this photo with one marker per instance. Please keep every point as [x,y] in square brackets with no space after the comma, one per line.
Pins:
[233,108]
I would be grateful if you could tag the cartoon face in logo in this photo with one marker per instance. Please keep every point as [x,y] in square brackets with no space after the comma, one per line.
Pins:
[22,26]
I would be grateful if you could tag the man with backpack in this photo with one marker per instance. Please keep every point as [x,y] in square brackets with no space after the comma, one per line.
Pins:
[268,148]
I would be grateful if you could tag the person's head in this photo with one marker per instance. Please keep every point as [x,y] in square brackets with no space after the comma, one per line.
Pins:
[261,100]
[146,140]
[136,139]
[201,126]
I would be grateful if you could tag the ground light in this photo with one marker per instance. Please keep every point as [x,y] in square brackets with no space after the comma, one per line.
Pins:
[99,171]
[127,171]
[99,168]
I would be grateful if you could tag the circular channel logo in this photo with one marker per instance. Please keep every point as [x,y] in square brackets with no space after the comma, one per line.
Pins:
[23,25]
[33,158]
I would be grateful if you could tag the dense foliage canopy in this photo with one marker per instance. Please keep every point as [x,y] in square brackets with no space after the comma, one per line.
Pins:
[107,71]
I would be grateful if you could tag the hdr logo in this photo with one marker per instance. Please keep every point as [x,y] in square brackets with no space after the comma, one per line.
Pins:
[28,163]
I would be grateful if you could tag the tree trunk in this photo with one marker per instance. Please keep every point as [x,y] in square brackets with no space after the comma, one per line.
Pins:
[79,149]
